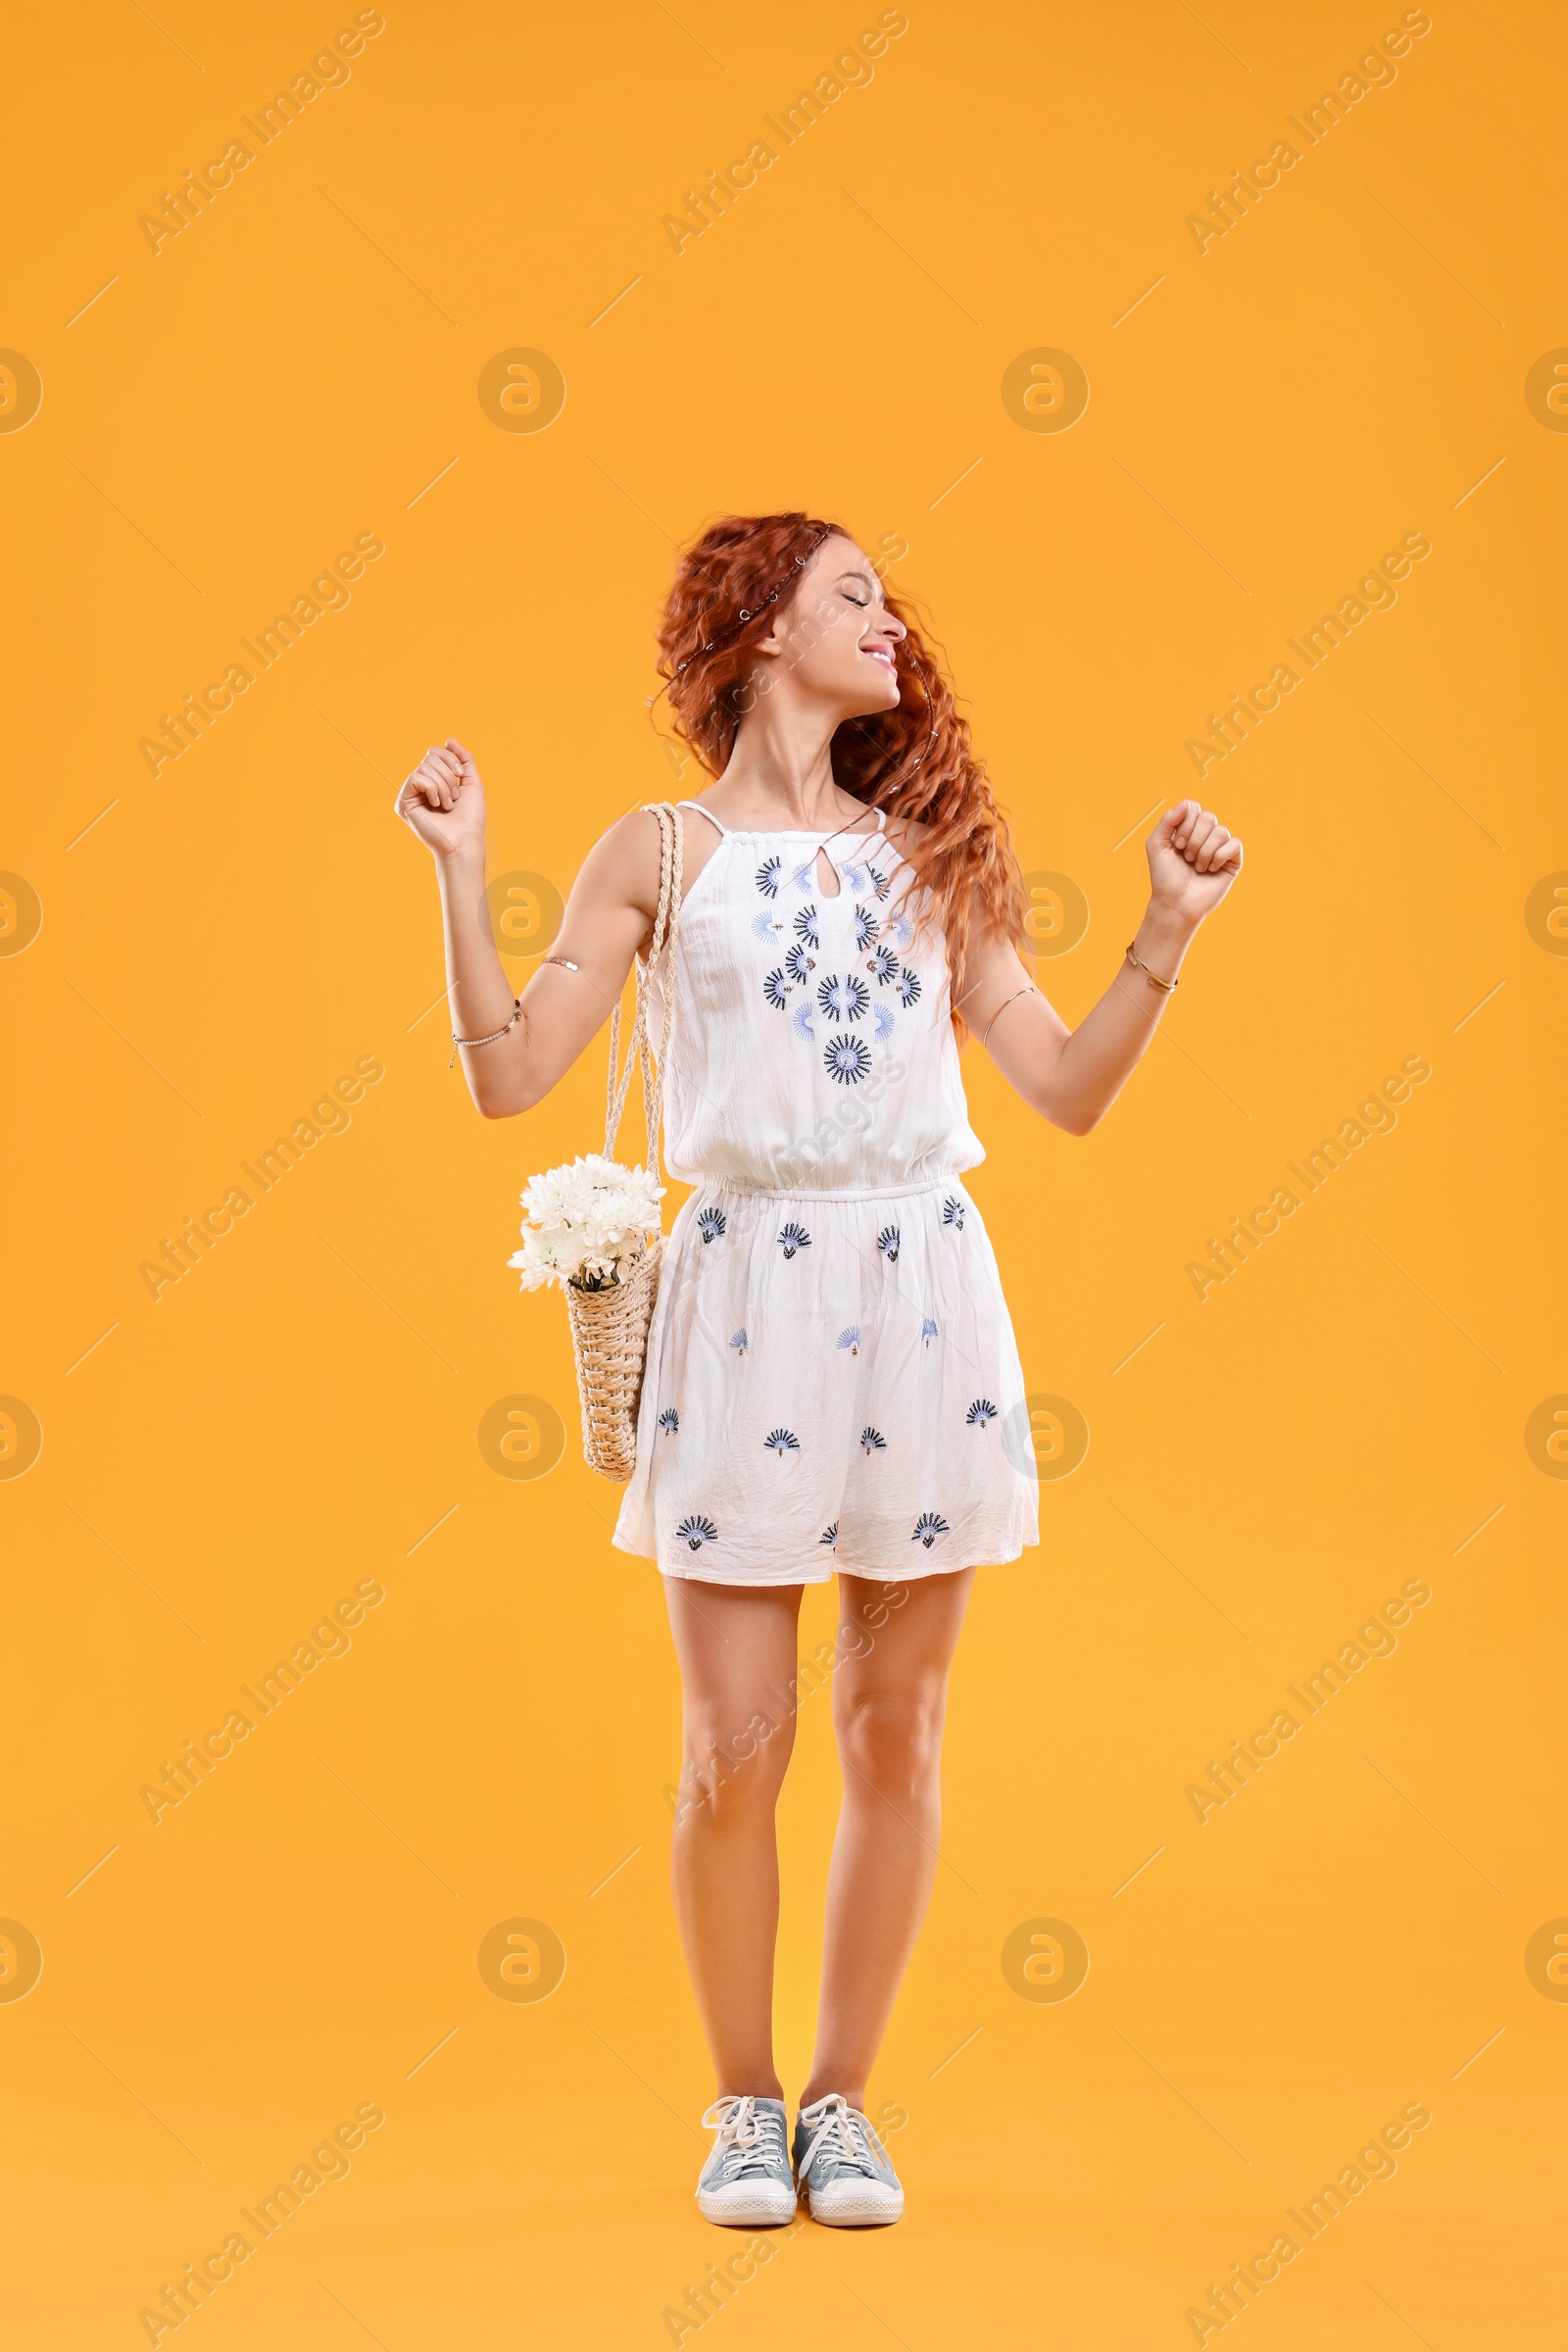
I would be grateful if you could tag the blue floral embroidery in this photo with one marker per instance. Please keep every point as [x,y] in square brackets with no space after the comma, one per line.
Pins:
[794,1236]
[801,1022]
[806,927]
[854,876]
[802,877]
[798,964]
[901,930]
[887,1241]
[849,1338]
[909,986]
[873,1441]
[882,1021]
[980,1413]
[867,927]
[843,1000]
[879,882]
[928,1527]
[930,1331]
[953,1212]
[766,928]
[830,1536]
[712,1225]
[768,877]
[775,989]
[697,1531]
[883,965]
[847,1060]
[669,1421]
[739,1343]
[782,1442]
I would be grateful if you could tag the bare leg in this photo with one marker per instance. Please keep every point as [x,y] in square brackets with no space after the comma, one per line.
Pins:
[733,1642]
[889,1701]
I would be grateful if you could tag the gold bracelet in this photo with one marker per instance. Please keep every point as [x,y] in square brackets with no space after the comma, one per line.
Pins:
[1029,990]
[457,1041]
[1153,979]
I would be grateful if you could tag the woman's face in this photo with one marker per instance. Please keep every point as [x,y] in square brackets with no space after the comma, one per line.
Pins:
[835,641]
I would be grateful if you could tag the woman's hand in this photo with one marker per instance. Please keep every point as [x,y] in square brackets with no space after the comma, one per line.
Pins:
[443,800]
[1193,861]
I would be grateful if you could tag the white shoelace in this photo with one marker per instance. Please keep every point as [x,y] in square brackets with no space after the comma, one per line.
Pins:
[840,2135]
[751,2138]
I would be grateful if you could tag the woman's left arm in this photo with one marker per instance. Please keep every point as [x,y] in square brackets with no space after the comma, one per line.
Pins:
[1073,1076]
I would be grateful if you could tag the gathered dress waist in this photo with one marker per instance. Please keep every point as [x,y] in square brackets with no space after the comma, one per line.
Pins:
[943,1178]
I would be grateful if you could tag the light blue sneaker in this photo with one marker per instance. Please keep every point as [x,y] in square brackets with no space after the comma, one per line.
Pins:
[844,2173]
[747,2182]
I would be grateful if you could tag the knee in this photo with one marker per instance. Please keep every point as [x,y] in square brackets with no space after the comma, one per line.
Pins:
[727,1777]
[893,1740]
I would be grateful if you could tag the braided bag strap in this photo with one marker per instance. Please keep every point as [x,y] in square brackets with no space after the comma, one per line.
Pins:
[660,960]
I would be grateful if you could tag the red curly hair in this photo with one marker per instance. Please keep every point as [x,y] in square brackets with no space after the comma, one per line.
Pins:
[912,763]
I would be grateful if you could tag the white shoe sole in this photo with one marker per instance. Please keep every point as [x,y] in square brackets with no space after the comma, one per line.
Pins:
[751,2208]
[866,2205]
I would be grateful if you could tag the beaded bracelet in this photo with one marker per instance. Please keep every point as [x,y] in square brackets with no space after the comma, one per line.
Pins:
[457,1041]
[516,1007]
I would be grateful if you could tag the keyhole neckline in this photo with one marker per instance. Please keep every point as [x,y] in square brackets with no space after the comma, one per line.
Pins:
[819,855]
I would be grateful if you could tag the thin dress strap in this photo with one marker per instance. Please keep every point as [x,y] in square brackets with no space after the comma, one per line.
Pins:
[708,813]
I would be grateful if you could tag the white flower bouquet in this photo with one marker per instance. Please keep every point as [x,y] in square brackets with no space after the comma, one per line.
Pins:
[586,1224]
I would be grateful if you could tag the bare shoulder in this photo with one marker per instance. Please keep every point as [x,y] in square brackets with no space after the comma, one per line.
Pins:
[632,840]
[623,862]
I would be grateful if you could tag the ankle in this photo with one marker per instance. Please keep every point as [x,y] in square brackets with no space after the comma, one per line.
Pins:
[757,2086]
[819,2088]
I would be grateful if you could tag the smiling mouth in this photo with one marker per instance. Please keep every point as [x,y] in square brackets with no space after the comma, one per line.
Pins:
[877,653]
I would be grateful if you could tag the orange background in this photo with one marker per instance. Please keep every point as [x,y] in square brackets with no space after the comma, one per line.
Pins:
[298,367]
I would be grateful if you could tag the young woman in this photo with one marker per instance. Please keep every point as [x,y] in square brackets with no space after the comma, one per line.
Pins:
[832,1382]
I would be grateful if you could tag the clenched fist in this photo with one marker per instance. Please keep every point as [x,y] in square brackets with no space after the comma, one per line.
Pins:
[1193,861]
[443,800]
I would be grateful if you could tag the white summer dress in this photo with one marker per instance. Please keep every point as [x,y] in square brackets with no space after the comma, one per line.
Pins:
[831,1366]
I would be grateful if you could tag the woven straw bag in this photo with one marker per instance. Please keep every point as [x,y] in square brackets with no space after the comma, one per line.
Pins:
[609,1327]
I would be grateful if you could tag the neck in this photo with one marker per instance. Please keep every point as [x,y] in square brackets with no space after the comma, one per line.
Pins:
[781,770]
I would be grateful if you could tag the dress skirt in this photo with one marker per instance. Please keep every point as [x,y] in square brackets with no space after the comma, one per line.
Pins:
[832,1383]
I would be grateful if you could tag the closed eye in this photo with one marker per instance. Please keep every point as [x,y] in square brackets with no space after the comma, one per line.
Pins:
[852,580]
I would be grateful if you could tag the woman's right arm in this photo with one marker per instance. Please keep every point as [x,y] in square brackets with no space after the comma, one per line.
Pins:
[608,920]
